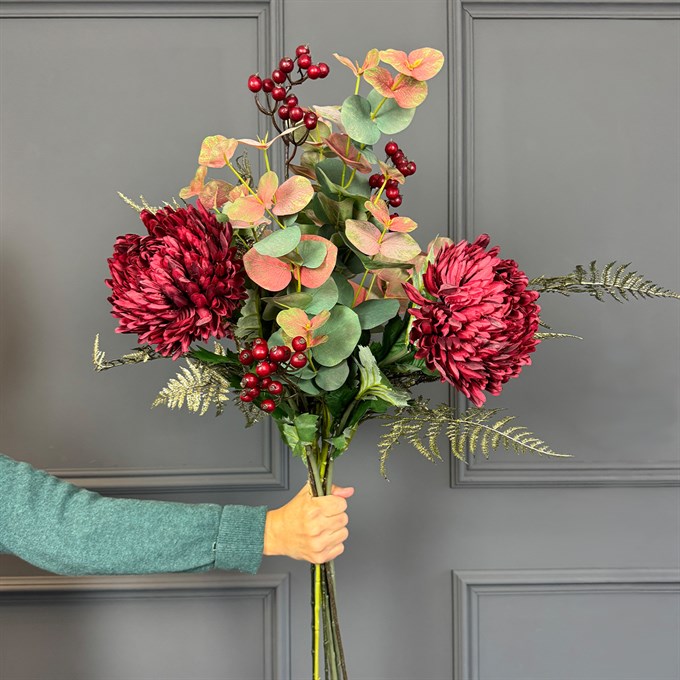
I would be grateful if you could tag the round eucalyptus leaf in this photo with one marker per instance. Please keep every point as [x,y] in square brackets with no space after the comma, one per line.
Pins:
[374,313]
[343,330]
[345,291]
[308,387]
[330,378]
[356,118]
[391,118]
[323,297]
[280,242]
[313,253]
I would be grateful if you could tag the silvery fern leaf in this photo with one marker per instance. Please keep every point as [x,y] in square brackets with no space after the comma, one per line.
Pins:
[473,430]
[613,281]
[373,384]
[198,387]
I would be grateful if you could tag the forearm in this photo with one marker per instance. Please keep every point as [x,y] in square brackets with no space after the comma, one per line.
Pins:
[68,530]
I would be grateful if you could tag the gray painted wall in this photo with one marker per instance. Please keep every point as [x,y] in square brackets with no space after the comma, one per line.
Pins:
[556,128]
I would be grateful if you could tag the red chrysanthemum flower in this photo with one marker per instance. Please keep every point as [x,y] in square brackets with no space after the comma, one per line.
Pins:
[479,328]
[183,282]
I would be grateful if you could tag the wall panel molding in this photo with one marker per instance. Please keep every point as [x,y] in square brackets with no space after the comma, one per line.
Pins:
[469,586]
[461,17]
[273,590]
[272,472]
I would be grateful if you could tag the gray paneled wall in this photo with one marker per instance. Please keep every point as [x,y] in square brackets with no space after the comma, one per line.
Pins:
[555,127]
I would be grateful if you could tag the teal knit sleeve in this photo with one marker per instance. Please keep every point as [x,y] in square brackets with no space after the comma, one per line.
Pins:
[68,530]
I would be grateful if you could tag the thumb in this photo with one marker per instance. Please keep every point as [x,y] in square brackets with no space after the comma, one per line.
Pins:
[342,491]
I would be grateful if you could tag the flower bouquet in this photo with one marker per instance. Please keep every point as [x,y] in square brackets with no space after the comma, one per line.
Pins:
[332,309]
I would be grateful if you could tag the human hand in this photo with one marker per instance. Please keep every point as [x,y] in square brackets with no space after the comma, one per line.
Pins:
[311,528]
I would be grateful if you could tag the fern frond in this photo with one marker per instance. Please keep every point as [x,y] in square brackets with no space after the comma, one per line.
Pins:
[475,429]
[141,355]
[615,281]
[251,412]
[198,387]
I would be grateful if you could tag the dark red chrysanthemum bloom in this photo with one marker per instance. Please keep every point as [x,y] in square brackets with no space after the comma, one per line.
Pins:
[181,283]
[479,329]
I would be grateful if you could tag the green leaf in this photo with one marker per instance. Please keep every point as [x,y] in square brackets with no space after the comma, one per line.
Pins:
[313,253]
[208,357]
[323,297]
[280,242]
[299,300]
[308,387]
[343,330]
[391,334]
[306,425]
[356,118]
[330,378]
[345,291]
[373,384]
[391,118]
[329,176]
[323,208]
[374,313]
[248,326]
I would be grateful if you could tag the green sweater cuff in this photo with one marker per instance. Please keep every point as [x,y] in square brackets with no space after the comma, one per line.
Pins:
[240,538]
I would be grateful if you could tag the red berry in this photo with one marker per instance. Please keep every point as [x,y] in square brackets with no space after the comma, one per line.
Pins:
[286,64]
[250,380]
[278,76]
[254,83]
[375,181]
[411,168]
[402,166]
[268,405]
[393,215]
[392,192]
[253,392]
[246,396]
[391,183]
[291,101]
[273,367]
[311,119]
[299,343]
[263,369]
[296,114]
[278,93]
[275,388]
[259,341]
[391,148]
[268,84]
[397,156]
[246,357]
[286,352]
[324,69]
[260,352]
[298,360]
[396,201]
[265,382]
[277,354]
[301,49]
[313,71]
[283,112]
[304,61]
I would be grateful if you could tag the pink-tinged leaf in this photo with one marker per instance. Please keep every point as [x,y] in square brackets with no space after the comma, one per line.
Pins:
[248,209]
[346,62]
[360,292]
[313,278]
[372,60]
[303,171]
[263,144]
[402,224]
[293,195]
[351,156]
[436,244]
[195,185]
[267,272]
[319,320]
[421,64]
[215,193]
[331,114]
[391,172]
[381,80]
[399,247]
[216,151]
[364,236]
[293,322]
[379,210]
[410,92]
[266,188]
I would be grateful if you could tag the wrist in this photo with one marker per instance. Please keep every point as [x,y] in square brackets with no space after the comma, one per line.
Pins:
[271,533]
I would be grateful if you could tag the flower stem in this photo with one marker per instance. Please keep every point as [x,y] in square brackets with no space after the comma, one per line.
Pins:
[317,630]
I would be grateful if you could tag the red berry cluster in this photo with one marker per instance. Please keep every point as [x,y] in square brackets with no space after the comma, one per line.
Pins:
[278,87]
[267,363]
[401,163]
